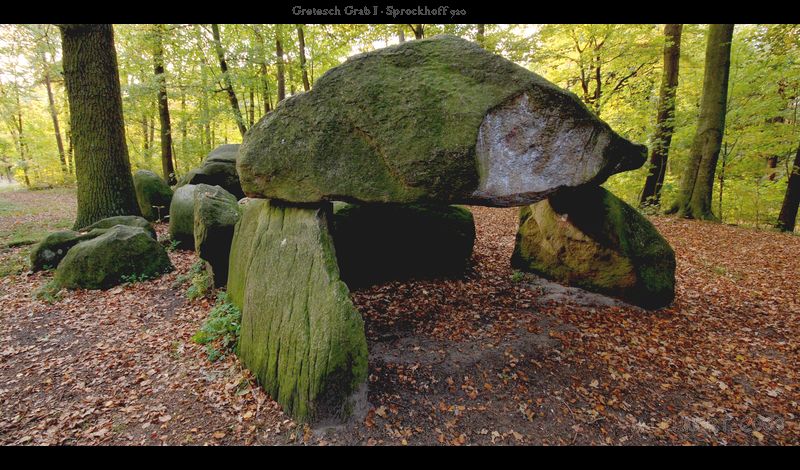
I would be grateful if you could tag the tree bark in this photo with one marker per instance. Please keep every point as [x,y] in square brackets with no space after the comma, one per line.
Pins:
[301,40]
[419,31]
[788,216]
[91,77]
[697,184]
[401,35]
[480,37]
[223,65]
[54,114]
[279,57]
[167,166]
[665,125]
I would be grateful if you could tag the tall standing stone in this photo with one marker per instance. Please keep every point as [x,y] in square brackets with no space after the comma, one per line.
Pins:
[300,334]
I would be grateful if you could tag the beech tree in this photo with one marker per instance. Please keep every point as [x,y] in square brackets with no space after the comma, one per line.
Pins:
[167,165]
[102,167]
[697,184]
[665,122]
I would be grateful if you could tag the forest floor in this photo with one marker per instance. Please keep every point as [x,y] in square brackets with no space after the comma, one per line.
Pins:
[491,358]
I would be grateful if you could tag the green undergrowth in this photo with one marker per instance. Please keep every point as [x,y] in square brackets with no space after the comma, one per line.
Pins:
[220,331]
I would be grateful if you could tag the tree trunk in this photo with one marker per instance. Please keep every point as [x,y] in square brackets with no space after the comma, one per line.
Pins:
[419,31]
[697,184]
[480,37]
[145,137]
[223,65]
[665,125]
[401,35]
[54,114]
[167,166]
[279,57]
[301,40]
[105,185]
[788,215]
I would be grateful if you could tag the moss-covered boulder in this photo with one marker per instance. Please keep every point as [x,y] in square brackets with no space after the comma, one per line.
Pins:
[153,194]
[181,216]
[120,254]
[53,248]
[591,239]
[216,212]
[217,169]
[128,220]
[377,243]
[300,335]
[439,120]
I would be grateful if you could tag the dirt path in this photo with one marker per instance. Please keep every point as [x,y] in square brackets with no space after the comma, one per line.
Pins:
[479,360]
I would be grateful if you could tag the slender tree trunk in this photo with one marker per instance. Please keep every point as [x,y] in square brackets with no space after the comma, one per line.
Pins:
[301,40]
[54,114]
[91,77]
[665,125]
[252,116]
[223,65]
[279,57]
[788,216]
[697,184]
[480,37]
[419,30]
[401,34]
[167,166]
[145,138]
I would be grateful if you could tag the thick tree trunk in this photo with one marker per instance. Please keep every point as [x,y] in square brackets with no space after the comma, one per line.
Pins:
[223,65]
[301,40]
[167,166]
[279,57]
[788,216]
[419,31]
[105,185]
[54,114]
[697,184]
[651,194]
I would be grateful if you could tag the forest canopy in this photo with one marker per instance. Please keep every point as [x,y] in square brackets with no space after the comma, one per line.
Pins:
[215,81]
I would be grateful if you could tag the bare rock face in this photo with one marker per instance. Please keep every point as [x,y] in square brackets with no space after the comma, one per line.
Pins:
[434,121]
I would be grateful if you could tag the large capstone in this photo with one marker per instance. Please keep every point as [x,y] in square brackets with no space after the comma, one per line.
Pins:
[591,239]
[54,247]
[439,121]
[300,334]
[153,194]
[129,220]
[181,216]
[216,212]
[121,254]
[218,169]
[377,243]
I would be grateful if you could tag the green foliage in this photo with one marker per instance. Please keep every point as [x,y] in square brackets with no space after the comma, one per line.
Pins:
[49,293]
[201,284]
[220,331]
[518,276]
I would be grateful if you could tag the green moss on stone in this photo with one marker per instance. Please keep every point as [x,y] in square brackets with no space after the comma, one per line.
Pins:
[181,216]
[301,335]
[152,193]
[591,239]
[215,214]
[54,247]
[107,260]
[127,220]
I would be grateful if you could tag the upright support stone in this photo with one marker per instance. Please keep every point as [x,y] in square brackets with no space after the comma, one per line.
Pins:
[215,214]
[301,335]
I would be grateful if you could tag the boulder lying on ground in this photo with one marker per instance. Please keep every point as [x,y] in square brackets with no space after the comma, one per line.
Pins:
[591,239]
[53,248]
[300,334]
[216,212]
[377,243]
[153,194]
[121,253]
[438,121]
[128,220]
[181,216]
[218,169]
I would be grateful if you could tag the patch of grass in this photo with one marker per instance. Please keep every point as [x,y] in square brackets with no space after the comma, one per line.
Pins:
[49,293]
[220,331]
[518,276]
[13,263]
